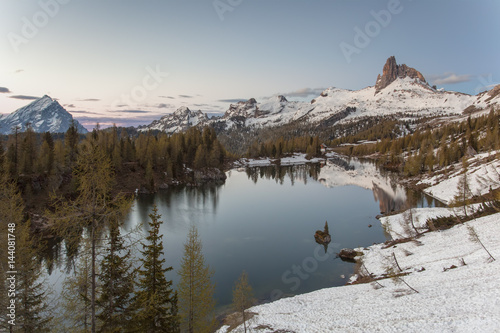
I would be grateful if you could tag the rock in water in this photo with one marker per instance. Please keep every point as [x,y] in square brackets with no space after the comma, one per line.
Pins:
[323,237]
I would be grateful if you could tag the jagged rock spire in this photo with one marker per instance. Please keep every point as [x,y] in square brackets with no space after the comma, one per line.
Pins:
[392,71]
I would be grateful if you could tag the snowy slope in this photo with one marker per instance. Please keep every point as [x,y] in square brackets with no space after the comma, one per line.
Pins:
[44,114]
[481,175]
[464,299]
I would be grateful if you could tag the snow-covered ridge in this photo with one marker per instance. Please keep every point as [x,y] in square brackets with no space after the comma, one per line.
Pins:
[44,115]
[182,119]
[402,96]
[401,90]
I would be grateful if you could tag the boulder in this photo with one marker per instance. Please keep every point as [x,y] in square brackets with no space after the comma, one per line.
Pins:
[348,254]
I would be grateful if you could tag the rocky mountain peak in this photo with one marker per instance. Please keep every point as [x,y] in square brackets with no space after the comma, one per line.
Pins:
[392,71]
[183,110]
[251,101]
[282,99]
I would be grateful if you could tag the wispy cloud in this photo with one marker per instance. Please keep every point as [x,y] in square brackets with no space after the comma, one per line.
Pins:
[89,100]
[449,78]
[85,112]
[185,96]
[19,71]
[232,100]
[170,97]
[24,97]
[165,106]
[130,111]
[69,105]
[304,92]
[4,90]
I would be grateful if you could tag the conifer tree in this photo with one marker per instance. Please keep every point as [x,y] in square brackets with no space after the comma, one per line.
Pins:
[32,313]
[200,158]
[464,192]
[116,280]
[196,303]
[47,155]
[242,297]
[71,144]
[28,150]
[93,207]
[155,302]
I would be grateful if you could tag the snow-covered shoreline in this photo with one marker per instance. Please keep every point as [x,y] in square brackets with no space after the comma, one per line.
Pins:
[461,299]
[294,159]
[457,282]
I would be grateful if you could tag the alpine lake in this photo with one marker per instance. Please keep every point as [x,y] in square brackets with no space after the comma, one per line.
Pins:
[262,220]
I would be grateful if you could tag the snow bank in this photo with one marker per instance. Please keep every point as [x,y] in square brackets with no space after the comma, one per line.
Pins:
[480,177]
[462,299]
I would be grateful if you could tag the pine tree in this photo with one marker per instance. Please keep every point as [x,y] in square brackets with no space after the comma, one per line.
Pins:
[242,297]
[28,150]
[47,154]
[155,301]
[116,280]
[464,192]
[32,313]
[71,144]
[200,157]
[93,207]
[196,303]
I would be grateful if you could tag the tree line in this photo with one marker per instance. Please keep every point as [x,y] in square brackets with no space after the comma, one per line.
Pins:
[428,148]
[310,145]
[108,291]
[43,163]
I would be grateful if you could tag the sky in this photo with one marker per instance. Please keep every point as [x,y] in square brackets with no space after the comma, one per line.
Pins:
[130,62]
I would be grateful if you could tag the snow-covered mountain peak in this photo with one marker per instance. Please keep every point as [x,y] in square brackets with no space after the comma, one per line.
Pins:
[43,115]
[183,110]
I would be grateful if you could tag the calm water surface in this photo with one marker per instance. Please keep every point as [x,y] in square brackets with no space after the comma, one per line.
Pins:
[263,220]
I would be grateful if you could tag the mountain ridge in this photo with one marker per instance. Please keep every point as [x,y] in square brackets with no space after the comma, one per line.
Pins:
[400,89]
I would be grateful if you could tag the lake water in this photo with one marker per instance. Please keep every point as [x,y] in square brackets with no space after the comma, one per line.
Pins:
[263,220]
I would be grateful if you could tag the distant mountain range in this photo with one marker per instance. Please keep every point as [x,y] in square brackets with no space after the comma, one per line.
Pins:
[400,90]
[44,115]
